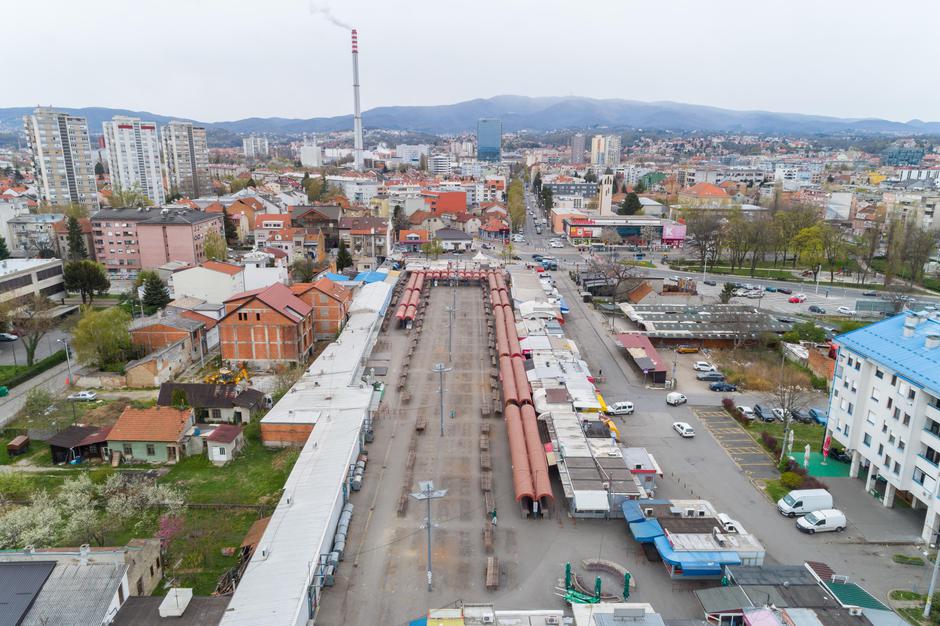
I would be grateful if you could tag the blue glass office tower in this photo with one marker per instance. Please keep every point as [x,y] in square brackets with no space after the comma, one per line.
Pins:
[489,140]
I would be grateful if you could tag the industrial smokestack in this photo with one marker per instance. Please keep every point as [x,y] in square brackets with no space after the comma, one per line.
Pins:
[357,118]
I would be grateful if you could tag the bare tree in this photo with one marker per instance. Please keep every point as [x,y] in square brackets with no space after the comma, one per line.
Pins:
[616,274]
[918,244]
[703,232]
[31,319]
[788,396]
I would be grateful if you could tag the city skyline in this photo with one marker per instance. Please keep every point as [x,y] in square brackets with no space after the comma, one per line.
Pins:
[700,60]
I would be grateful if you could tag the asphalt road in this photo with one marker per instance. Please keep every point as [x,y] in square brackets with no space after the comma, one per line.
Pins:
[14,352]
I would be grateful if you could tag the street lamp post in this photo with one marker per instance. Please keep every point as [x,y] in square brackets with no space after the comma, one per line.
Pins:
[450,333]
[68,359]
[440,369]
[428,493]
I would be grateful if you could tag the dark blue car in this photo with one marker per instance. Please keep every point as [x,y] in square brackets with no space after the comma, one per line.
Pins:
[820,416]
[722,386]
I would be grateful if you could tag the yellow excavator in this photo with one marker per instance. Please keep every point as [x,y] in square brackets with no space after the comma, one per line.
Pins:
[225,376]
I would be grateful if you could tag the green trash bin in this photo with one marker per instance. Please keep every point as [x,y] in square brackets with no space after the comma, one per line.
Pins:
[4,392]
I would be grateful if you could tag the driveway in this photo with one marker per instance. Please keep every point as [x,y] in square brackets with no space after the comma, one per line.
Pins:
[740,446]
[873,521]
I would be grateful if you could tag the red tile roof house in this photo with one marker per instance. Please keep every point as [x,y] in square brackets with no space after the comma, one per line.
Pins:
[224,442]
[154,435]
[411,240]
[265,327]
[330,304]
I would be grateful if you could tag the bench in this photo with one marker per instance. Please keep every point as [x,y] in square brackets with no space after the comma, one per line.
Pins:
[492,573]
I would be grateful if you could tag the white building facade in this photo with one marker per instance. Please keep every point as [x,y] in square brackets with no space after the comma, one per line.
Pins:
[62,157]
[186,159]
[134,157]
[885,409]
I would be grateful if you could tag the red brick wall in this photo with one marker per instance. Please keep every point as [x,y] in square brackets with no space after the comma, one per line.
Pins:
[157,336]
[255,332]
[283,435]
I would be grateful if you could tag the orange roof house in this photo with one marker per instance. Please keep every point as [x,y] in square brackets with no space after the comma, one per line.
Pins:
[266,326]
[704,196]
[154,435]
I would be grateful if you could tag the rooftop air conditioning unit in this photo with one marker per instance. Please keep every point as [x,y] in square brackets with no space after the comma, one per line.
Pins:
[552,619]
[648,512]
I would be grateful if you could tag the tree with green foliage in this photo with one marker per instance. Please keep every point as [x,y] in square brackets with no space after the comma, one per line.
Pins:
[31,319]
[101,337]
[133,197]
[432,249]
[590,176]
[87,278]
[215,247]
[547,198]
[4,251]
[808,244]
[640,186]
[631,205]
[179,399]
[38,399]
[99,169]
[76,240]
[727,292]
[156,294]
[343,258]
[537,183]
[805,331]
[231,233]
[303,270]
[324,188]
[516,203]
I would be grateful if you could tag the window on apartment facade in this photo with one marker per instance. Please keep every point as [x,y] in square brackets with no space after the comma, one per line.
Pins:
[870,418]
[879,374]
[845,430]
[897,413]
[858,364]
[901,445]
[932,427]
[851,408]
[919,476]
[894,380]
[907,420]
[891,439]
[151,449]
[890,402]
[881,449]
[867,440]
[850,361]
[897,468]
[257,317]
[911,394]
[932,455]
[887,462]
[875,395]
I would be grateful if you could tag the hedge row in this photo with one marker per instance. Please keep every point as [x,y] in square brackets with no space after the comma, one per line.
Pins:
[37,368]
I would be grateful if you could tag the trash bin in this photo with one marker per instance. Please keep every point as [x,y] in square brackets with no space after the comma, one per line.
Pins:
[4,392]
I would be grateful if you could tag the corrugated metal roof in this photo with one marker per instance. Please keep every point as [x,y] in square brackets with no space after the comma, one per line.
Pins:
[20,583]
[850,594]
[76,593]
[885,343]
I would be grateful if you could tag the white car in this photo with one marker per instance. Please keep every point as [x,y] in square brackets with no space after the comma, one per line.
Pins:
[83,396]
[8,337]
[620,408]
[779,414]
[822,521]
[674,398]
[746,412]
[844,310]
[556,244]
[683,429]
[703,366]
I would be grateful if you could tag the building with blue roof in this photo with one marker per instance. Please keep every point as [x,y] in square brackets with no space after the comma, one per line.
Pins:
[884,407]
[691,538]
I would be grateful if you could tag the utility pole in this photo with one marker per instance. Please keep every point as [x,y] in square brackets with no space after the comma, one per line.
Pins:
[440,369]
[68,359]
[428,493]
[450,333]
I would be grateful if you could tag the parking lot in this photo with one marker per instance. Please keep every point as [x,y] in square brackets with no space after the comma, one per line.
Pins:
[740,446]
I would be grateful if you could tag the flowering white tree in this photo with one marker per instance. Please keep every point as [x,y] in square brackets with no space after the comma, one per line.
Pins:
[37,524]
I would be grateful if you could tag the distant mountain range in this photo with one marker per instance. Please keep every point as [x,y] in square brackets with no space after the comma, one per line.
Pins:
[524,113]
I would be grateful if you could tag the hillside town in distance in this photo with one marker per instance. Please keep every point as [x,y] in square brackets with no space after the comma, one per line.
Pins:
[671,376]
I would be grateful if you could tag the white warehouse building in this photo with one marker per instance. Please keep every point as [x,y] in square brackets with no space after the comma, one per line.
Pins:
[885,409]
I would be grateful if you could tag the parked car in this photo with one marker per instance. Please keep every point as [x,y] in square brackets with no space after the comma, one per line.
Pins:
[840,455]
[803,501]
[801,416]
[537,258]
[723,386]
[685,349]
[820,416]
[822,521]
[786,320]
[684,429]
[763,414]
[556,244]
[711,376]
[816,309]
[703,366]
[870,294]
[620,408]
[785,290]
[844,310]
[675,398]
[83,396]
[770,289]
[8,337]
[797,299]
[779,413]
[674,278]
[710,283]
[746,412]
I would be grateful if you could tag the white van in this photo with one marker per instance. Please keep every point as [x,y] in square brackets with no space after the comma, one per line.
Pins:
[675,398]
[803,501]
[822,521]
[620,408]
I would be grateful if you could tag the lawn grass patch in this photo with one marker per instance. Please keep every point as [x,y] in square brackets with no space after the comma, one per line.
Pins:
[803,434]
[775,489]
[758,369]
[254,477]
[903,559]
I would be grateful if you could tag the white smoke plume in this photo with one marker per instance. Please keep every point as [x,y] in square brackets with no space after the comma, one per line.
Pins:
[325,11]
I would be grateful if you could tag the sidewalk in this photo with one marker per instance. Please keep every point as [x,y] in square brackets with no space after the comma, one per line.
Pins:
[52,380]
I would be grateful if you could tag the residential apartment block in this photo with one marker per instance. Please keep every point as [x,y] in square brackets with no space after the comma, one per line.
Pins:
[186,158]
[255,147]
[134,157]
[61,147]
[128,240]
[885,409]
[22,278]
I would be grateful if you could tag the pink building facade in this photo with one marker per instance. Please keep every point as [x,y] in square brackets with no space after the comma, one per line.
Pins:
[128,240]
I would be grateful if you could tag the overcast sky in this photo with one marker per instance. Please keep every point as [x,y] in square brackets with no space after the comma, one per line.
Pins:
[216,60]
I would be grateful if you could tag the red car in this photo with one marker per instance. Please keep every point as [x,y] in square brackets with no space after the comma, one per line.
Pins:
[797,299]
